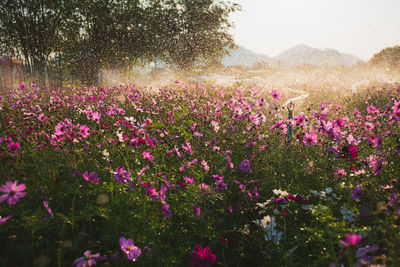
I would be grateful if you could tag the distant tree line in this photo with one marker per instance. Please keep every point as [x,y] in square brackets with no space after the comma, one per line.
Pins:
[388,58]
[80,37]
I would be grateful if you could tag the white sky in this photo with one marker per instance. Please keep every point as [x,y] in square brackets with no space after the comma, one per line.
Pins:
[358,27]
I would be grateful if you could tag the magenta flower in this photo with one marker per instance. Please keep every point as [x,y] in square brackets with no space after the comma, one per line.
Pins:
[189,180]
[46,205]
[205,165]
[84,131]
[276,95]
[221,186]
[202,258]
[42,117]
[13,192]
[4,219]
[13,146]
[339,173]
[357,192]
[88,259]
[310,139]
[166,210]
[187,147]
[128,247]
[60,129]
[245,166]
[196,210]
[162,194]
[121,176]
[351,240]
[152,193]
[91,177]
[147,155]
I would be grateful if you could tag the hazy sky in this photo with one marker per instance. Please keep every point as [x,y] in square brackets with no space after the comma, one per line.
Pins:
[358,27]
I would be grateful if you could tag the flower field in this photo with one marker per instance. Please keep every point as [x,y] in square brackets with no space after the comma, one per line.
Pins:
[199,175]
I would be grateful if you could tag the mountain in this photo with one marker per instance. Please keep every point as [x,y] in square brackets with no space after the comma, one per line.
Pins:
[245,57]
[300,54]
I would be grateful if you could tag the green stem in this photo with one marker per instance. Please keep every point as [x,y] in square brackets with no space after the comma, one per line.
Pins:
[284,227]
[72,215]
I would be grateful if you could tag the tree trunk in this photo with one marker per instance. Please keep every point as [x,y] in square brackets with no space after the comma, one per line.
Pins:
[39,71]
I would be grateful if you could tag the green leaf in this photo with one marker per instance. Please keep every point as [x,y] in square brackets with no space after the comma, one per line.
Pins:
[185,110]
[157,124]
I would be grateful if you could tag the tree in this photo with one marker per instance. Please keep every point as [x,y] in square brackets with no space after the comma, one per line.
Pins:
[388,57]
[34,29]
[84,36]
[195,31]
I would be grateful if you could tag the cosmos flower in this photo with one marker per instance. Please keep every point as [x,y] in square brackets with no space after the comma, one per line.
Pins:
[202,257]
[166,211]
[152,193]
[310,139]
[205,165]
[128,247]
[13,192]
[13,146]
[339,173]
[46,205]
[276,95]
[147,155]
[121,176]
[4,219]
[351,240]
[84,131]
[196,210]
[91,177]
[245,166]
[88,259]
[356,192]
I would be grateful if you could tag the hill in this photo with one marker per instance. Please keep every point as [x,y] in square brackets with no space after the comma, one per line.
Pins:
[300,54]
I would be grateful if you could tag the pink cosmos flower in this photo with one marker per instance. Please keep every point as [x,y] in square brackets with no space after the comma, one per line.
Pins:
[202,257]
[46,205]
[196,210]
[276,95]
[122,176]
[372,109]
[42,117]
[187,147]
[215,124]
[189,180]
[162,194]
[13,146]
[351,240]
[357,192]
[88,259]
[245,166]
[339,173]
[310,139]
[13,192]
[205,165]
[147,155]
[84,131]
[128,247]
[91,177]
[152,193]
[60,129]
[166,210]
[4,219]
